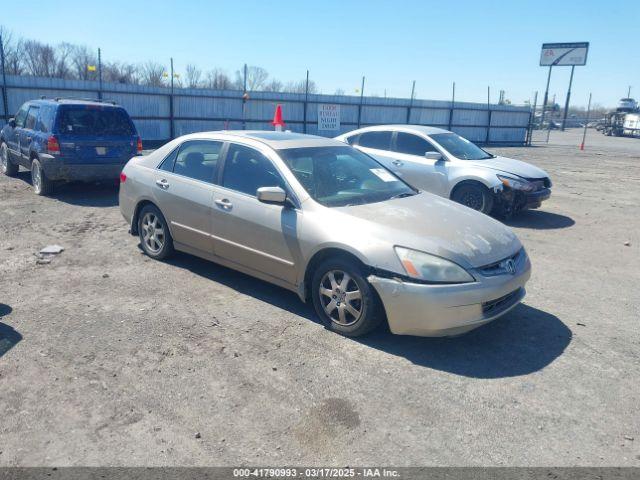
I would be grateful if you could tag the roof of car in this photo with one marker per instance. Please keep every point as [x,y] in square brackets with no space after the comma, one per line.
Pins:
[75,101]
[281,140]
[424,129]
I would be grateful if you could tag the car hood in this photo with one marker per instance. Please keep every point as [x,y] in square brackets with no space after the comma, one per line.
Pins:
[510,165]
[435,225]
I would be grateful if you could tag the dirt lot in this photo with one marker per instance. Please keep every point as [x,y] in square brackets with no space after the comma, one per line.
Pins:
[110,358]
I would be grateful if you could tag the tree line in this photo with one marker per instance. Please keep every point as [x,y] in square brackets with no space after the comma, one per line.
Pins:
[29,57]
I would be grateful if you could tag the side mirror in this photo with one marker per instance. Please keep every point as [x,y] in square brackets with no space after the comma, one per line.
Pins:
[433,156]
[12,122]
[273,195]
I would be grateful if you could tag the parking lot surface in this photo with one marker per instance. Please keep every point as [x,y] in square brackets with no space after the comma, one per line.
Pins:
[110,358]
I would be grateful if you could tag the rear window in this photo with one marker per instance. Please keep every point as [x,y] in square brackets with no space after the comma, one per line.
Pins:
[91,120]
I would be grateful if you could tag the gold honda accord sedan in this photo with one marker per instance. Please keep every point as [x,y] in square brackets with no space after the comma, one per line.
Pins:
[329,222]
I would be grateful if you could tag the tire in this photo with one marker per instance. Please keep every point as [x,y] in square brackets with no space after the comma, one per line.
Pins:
[41,184]
[7,167]
[474,195]
[150,223]
[354,316]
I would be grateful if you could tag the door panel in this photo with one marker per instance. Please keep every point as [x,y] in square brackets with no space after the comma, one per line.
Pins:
[186,205]
[248,232]
[254,234]
[184,190]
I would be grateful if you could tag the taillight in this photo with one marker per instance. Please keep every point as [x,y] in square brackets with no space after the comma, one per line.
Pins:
[139,145]
[123,177]
[53,147]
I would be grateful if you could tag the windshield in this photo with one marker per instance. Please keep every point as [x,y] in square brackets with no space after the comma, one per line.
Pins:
[460,147]
[342,176]
[92,120]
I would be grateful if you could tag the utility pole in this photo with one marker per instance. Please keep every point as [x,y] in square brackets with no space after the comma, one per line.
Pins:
[4,81]
[361,100]
[306,101]
[453,102]
[99,74]
[566,103]
[413,91]
[629,92]
[584,133]
[171,126]
[546,98]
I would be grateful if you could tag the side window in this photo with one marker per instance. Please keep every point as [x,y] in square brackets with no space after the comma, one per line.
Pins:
[21,116]
[169,160]
[246,170]
[32,118]
[198,159]
[413,144]
[353,139]
[45,123]
[378,140]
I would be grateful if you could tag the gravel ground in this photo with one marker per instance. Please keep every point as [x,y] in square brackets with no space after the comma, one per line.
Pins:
[110,358]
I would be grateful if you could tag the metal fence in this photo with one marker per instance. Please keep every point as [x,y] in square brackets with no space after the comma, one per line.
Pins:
[162,113]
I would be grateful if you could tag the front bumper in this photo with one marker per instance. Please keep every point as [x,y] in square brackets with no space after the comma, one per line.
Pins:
[535,199]
[444,310]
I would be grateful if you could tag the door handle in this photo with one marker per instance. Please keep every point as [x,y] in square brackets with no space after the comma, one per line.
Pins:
[224,203]
[398,163]
[162,183]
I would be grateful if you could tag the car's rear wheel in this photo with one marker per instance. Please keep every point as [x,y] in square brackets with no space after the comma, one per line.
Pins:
[343,298]
[154,234]
[474,195]
[41,184]
[9,168]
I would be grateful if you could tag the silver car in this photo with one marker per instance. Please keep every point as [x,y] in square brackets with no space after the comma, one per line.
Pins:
[327,221]
[444,163]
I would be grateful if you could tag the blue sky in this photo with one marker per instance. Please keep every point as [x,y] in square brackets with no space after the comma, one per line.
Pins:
[392,43]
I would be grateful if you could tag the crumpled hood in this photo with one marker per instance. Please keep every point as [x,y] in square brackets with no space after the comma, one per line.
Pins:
[435,225]
[510,165]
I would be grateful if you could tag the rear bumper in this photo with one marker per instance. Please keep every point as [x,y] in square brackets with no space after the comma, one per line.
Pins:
[56,168]
[444,310]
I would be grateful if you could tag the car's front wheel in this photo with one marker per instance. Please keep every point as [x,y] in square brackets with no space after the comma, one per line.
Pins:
[474,195]
[343,298]
[154,234]
[9,168]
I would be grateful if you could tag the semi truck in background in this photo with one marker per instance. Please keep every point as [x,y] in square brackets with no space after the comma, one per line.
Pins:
[624,121]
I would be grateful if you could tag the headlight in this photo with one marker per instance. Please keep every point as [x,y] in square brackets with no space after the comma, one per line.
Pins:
[516,183]
[427,267]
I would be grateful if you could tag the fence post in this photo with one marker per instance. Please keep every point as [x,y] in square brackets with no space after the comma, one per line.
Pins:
[488,115]
[413,89]
[5,96]
[360,105]
[306,100]
[171,125]
[244,98]
[453,102]
[99,74]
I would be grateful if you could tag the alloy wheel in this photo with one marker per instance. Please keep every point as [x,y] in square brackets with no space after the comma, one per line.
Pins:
[36,178]
[153,233]
[341,297]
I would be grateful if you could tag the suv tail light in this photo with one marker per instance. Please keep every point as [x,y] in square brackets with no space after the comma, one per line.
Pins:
[53,147]
[123,177]
[139,147]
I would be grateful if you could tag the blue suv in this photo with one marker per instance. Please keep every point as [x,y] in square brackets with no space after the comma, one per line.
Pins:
[67,140]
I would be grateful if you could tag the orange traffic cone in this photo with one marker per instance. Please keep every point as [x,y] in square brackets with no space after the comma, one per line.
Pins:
[277,119]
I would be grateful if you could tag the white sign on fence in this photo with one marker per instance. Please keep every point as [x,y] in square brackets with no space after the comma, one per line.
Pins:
[328,116]
[562,54]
